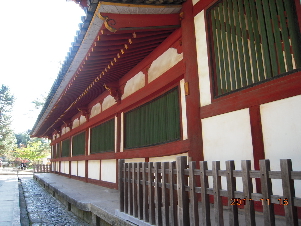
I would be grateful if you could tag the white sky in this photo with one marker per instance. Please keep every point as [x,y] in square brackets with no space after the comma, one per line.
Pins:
[35,37]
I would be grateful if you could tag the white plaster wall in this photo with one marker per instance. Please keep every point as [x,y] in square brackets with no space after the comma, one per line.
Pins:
[183,110]
[74,168]
[81,169]
[75,123]
[228,137]
[63,130]
[94,169]
[134,84]
[202,59]
[195,1]
[108,102]
[108,170]
[281,127]
[134,160]
[163,63]
[67,129]
[96,109]
[82,119]
[170,158]
[57,167]
[66,165]
[62,167]
[53,137]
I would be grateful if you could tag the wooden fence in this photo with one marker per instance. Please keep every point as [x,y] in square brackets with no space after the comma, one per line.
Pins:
[168,193]
[42,168]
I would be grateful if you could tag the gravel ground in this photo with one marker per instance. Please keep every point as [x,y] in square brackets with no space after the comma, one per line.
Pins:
[45,210]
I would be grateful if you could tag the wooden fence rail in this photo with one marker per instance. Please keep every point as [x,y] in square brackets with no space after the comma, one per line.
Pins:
[42,168]
[168,193]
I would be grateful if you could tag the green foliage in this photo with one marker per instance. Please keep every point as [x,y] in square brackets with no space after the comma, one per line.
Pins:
[23,138]
[7,137]
[36,149]
[40,101]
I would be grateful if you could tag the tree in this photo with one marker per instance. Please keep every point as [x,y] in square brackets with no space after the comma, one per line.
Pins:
[36,149]
[7,137]
[40,101]
[23,138]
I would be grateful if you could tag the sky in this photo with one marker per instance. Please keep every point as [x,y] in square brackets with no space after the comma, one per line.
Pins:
[35,38]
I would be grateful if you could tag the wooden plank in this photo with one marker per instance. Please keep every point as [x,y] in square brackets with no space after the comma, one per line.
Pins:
[151,194]
[134,187]
[172,196]
[183,203]
[218,205]
[121,184]
[165,195]
[288,192]
[194,214]
[158,197]
[231,188]
[145,192]
[139,191]
[247,190]
[130,190]
[266,190]
[204,195]
[126,188]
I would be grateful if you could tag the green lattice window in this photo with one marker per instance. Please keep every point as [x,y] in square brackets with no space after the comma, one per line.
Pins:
[58,150]
[79,144]
[155,122]
[53,154]
[252,41]
[65,148]
[103,137]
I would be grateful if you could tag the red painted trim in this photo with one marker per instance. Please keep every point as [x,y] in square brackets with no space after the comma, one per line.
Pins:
[172,148]
[142,20]
[257,140]
[201,5]
[191,76]
[276,89]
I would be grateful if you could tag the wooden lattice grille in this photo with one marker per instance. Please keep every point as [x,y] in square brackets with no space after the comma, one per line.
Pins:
[103,137]
[78,144]
[65,148]
[155,122]
[252,41]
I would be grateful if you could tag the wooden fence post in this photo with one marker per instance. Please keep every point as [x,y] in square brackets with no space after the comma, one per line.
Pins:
[139,191]
[165,195]
[193,196]
[288,192]
[151,194]
[126,187]
[121,184]
[183,202]
[247,190]
[134,187]
[204,195]
[145,192]
[172,197]
[231,187]
[218,205]
[158,197]
[266,190]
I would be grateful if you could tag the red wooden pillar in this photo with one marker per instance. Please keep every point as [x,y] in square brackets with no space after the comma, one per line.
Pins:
[191,77]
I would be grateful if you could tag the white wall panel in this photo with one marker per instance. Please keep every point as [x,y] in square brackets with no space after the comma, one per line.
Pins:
[94,169]
[281,127]
[133,84]
[202,59]
[228,137]
[163,63]
[74,168]
[169,158]
[134,160]
[81,169]
[66,165]
[108,170]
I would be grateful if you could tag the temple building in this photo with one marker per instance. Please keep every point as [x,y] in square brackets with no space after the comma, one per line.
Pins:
[150,80]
